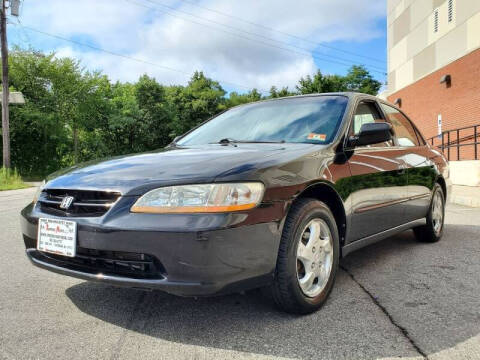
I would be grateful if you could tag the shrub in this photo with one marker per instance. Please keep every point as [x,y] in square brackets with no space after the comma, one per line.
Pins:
[11,180]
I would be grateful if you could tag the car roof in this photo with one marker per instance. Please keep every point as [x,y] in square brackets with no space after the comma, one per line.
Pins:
[349,94]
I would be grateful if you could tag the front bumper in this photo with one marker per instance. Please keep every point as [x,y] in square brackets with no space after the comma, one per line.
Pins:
[200,254]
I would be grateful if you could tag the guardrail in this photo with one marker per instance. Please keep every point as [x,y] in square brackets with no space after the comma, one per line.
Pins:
[451,142]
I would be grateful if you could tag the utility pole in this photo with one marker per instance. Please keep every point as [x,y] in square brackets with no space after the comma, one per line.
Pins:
[5,94]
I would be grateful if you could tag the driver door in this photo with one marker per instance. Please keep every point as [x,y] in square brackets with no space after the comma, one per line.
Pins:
[379,179]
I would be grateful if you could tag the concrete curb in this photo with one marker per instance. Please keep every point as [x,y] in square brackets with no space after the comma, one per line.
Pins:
[465,200]
[465,195]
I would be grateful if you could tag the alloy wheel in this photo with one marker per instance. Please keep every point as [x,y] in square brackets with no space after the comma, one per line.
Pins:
[314,257]
[437,212]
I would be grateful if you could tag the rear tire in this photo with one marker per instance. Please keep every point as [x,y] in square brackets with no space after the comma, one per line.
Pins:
[433,230]
[308,258]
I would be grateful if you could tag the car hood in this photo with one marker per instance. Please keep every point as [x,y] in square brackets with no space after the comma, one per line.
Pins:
[135,174]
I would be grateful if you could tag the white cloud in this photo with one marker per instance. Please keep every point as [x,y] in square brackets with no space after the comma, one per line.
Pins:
[175,42]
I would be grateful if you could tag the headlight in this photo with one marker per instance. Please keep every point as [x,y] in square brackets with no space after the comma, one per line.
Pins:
[203,198]
[38,192]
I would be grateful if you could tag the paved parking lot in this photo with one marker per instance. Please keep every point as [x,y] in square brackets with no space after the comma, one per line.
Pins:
[397,298]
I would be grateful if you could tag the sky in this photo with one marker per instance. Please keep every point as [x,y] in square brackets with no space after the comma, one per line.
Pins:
[242,44]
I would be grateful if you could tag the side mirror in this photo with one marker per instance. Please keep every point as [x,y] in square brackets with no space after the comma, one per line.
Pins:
[372,133]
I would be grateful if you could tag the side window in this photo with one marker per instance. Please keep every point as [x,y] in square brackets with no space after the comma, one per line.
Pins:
[366,113]
[402,127]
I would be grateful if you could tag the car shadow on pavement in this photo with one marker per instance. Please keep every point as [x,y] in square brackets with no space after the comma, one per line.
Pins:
[247,323]
[407,278]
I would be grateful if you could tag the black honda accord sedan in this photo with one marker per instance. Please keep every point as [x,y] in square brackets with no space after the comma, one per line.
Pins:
[269,194]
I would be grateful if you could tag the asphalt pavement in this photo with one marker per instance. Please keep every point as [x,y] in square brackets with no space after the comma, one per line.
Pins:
[395,299]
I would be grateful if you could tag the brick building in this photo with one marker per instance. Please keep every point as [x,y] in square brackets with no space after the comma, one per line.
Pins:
[434,67]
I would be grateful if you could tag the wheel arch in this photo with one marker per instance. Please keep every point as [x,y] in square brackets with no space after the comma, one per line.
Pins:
[441,181]
[326,193]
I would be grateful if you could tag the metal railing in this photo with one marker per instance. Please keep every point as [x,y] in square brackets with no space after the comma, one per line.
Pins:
[450,142]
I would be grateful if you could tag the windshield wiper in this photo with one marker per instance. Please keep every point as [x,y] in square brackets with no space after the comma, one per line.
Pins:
[233,141]
[261,142]
[228,141]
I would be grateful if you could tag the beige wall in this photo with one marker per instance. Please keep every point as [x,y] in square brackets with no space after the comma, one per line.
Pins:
[415,49]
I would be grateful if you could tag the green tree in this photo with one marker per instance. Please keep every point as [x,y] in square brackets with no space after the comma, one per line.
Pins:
[156,115]
[235,98]
[275,93]
[77,95]
[64,105]
[320,84]
[36,139]
[199,100]
[359,79]
[93,109]
[119,133]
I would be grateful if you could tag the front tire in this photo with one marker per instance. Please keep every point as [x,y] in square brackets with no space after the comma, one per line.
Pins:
[433,230]
[308,258]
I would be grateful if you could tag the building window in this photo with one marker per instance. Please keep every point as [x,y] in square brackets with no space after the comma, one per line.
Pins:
[435,21]
[450,10]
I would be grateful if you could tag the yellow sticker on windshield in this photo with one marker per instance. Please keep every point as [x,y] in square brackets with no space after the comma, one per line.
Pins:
[319,137]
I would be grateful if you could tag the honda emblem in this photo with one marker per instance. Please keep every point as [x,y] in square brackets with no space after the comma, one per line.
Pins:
[66,202]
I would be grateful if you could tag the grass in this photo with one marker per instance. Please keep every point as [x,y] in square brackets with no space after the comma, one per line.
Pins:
[11,180]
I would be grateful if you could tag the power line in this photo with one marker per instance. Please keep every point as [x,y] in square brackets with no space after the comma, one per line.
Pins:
[126,56]
[283,32]
[306,52]
[25,38]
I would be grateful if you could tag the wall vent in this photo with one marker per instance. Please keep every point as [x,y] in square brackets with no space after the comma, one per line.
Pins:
[450,11]
[435,21]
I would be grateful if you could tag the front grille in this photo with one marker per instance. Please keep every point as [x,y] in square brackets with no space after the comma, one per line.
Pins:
[135,265]
[85,203]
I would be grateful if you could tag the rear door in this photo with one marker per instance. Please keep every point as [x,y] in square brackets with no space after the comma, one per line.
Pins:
[379,179]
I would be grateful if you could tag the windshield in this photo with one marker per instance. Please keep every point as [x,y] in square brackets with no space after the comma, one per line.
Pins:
[313,119]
